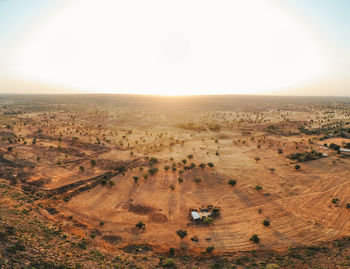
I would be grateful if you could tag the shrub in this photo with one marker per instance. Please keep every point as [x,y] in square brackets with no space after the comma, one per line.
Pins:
[169,262]
[197,180]
[210,249]
[140,225]
[166,167]
[93,162]
[280,151]
[190,156]
[180,179]
[258,187]
[257,159]
[334,146]
[81,168]
[181,233]
[153,171]
[111,183]
[153,161]
[266,223]
[207,220]
[306,156]
[202,165]
[135,179]
[82,244]
[297,167]
[255,239]
[210,164]
[335,201]
[194,239]
[232,182]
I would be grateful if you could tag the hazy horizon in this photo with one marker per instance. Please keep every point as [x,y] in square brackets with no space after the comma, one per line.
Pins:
[284,48]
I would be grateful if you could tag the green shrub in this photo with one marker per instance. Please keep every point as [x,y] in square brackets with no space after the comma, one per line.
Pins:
[181,233]
[232,182]
[255,239]
[266,223]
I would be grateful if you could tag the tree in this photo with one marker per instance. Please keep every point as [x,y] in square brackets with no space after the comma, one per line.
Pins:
[180,179]
[140,225]
[184,161]
[208,220]
[135,179]
[181,233]
[190,156]
[257,159]
[232,182]
[166,167]
[266,223]
[258,187]
[93,162]
[153,161]
[152,171]
[210,164]
[297,167]
[280,151]
[202,165]
[81,168]
[255,239]
[210,249]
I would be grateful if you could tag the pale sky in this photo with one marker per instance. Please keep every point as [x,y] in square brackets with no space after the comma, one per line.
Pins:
[289,47]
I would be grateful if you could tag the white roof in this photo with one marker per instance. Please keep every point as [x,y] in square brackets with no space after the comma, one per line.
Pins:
[345,150]
[195,215]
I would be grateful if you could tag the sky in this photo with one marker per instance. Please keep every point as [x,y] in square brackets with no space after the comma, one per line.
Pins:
[184,47]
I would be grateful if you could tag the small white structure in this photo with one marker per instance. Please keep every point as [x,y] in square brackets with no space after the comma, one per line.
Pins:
[345,150]
[195,215]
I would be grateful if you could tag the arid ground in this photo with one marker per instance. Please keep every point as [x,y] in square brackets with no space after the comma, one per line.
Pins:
[121,174]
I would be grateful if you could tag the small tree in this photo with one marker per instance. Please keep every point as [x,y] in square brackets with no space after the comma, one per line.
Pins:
[152,171]
[81,168]
[210,249]
[202,165]
[210,164]
[93,162]
[140,225]
[232,182]
[258,187]
[180,179]
[266,223]
[257,159]
[297,167]
[166,167]
[181,233]
[208,220]
[255,239]
[135,179]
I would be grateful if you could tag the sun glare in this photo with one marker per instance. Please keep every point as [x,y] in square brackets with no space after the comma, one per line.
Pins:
[172,48]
